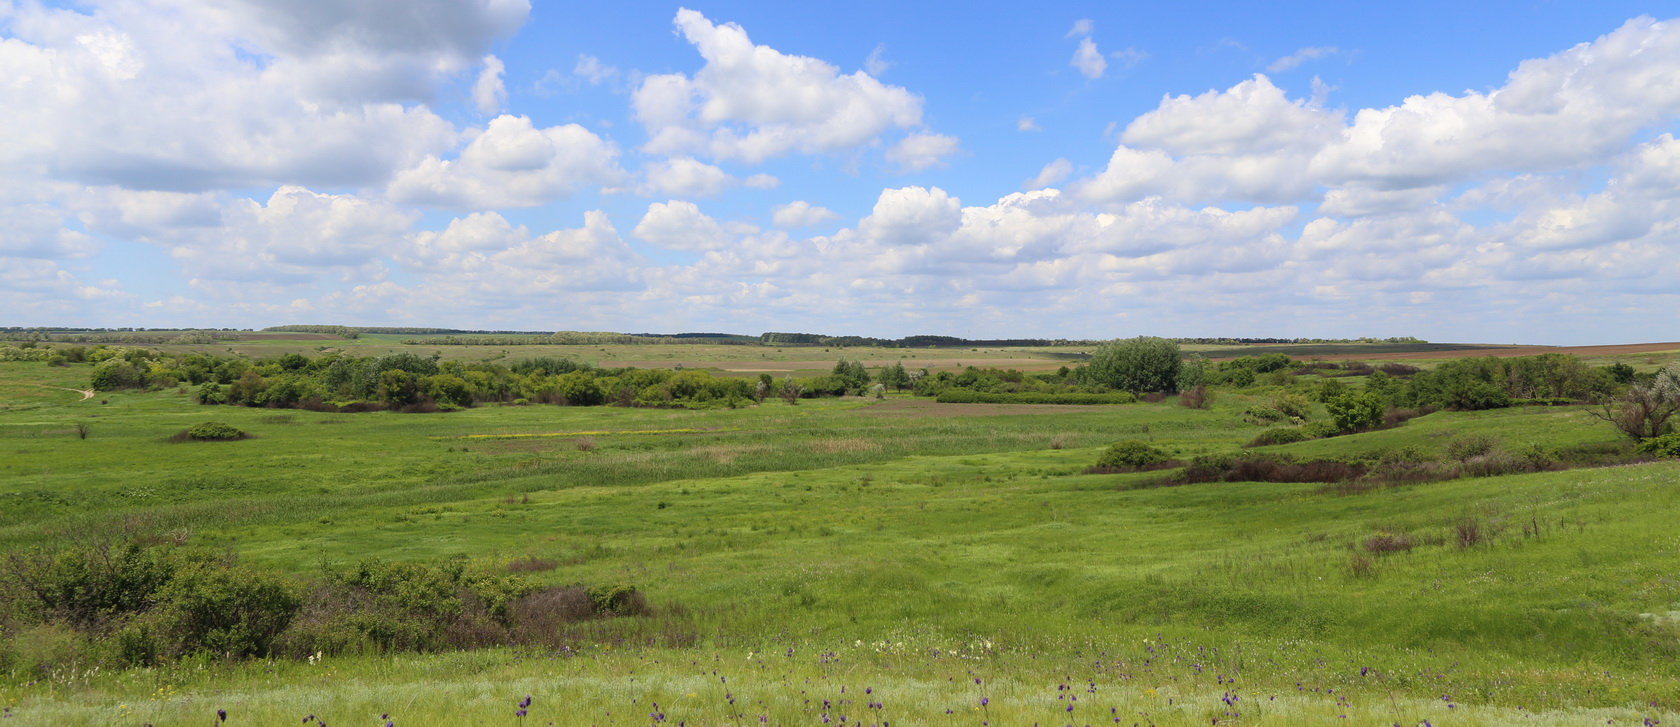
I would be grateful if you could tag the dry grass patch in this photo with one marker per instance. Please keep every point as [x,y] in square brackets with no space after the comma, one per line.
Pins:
[845,445]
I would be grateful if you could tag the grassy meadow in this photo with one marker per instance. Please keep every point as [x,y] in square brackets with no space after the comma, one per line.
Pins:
[855,561]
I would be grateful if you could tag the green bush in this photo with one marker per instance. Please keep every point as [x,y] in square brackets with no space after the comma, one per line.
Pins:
[1320,429]
[620,599]
[1667,445]
[1356,412]
[228,611]
[211,393]
[1471,445]
[1293,404]
[1137,364]
[1130,454]
[214,432]
[1263,415]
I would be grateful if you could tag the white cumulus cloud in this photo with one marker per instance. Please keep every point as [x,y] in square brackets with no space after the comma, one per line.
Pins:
[752,102]
[511,163]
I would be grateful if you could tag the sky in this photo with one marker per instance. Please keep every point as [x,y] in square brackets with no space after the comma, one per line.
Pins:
[1498,172]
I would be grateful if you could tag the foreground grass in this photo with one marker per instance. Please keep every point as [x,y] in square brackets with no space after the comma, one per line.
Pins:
[905,551]
[863,685]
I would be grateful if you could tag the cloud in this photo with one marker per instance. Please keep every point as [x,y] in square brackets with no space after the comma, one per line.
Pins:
[1574,107]
[1080,27]
[1252,117]
[1088,59]
[591,69]
[800,213]
[488,93]
[1052,174]
[751,102]
[1026,123]
[256,94]
[685,177]
[511,163]
[917,152]
[911,215]
[1301,56]
[680,225]
[483,262]
[1129,57]
[294,237]
[877,63]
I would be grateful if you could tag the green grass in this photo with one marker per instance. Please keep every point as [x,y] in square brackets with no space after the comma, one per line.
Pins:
[905,547]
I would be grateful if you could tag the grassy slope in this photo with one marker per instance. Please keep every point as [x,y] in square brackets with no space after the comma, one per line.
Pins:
[898,546]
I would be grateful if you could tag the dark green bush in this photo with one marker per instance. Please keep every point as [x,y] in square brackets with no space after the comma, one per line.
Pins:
[213,432]
[1667,445]
[1356,412]
[230,611]
[1130,454]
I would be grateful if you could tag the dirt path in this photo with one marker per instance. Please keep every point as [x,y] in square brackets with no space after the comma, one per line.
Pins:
[86,393]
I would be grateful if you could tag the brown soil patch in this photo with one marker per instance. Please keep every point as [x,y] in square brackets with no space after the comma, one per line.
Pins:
[1512,352]
[928,408]
[288,337]
[793,366]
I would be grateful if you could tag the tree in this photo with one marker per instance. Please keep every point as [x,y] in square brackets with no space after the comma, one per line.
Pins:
[1645,410]
[853,373]
[895,376]
[1141,364]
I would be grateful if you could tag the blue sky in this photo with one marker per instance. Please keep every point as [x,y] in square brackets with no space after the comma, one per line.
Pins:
[1499,172]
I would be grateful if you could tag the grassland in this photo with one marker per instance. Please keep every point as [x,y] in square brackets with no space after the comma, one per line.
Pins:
[933,555]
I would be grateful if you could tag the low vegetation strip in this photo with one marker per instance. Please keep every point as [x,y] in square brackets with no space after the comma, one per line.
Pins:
[587,433]
[965,396]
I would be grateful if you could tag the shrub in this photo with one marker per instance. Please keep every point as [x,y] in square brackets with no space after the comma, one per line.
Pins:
[1395,417]
[229,611]
[212,432]
[1472,445]
[1263,415]
[1356,412]
[1194,398]
[1130,454]
[1496,463]
[1320,429]
[1293,405]
[618,599]
[1388,543]
[1278,435]
[1257,467]
[1667,445]
[1644,411]
[1467,533]
[969,396]
[1137,364]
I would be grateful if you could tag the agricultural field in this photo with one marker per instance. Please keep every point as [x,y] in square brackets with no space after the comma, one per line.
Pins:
[873,560]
